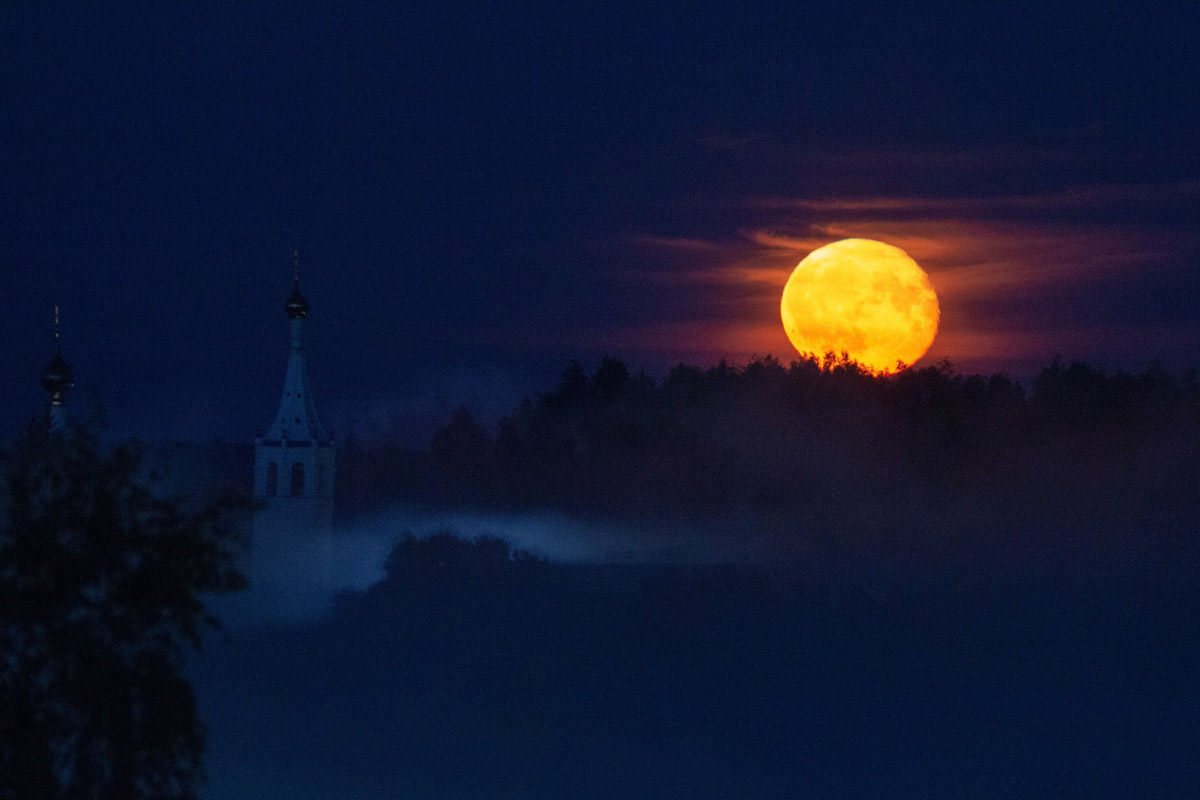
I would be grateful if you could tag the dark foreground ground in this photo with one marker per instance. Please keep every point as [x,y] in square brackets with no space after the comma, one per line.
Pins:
[470,673]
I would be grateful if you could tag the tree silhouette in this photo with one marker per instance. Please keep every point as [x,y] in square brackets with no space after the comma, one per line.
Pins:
[100,596]
[610,379]
[572,388]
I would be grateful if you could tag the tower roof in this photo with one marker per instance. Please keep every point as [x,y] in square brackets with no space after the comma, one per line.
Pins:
[296,305]
[297,421]
[57,377]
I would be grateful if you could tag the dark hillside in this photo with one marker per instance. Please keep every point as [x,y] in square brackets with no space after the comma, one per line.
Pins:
[469,666]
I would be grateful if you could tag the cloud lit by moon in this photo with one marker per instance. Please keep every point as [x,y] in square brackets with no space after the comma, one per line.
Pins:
[1014,287]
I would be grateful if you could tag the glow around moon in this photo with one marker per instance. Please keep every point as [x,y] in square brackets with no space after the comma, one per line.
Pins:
[862,297]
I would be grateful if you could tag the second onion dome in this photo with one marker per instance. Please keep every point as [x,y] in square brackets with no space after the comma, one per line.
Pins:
[296,305]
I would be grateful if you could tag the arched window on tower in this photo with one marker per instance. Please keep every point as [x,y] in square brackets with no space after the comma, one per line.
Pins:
[297,480]
[272,487]
[322,482]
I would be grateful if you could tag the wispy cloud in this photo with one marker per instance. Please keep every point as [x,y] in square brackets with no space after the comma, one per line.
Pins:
[962,257]
[783,241]
[693,338]
[725,141]
[1075,198]
[735,274]
[675,243]
[985,256]
[1071,151]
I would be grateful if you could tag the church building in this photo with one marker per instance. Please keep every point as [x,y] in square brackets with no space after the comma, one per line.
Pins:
[291,546]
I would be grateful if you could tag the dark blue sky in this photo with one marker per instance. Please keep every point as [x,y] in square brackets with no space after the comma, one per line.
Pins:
[480,192]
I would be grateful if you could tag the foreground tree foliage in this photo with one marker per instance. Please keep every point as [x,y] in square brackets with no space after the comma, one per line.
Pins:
[100,597]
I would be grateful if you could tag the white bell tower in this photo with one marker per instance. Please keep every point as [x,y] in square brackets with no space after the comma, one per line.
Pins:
[292,537]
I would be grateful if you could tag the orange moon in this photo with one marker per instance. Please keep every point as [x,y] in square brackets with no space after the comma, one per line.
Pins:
[864,298]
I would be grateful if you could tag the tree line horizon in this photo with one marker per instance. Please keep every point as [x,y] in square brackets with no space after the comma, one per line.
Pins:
[775,436]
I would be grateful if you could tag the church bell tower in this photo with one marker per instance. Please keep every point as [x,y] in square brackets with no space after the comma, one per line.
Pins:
[291,542]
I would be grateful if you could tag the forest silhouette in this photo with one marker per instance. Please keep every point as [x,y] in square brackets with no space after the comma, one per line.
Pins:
[1084,468]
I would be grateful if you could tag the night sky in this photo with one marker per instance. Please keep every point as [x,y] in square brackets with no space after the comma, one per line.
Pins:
[481,192]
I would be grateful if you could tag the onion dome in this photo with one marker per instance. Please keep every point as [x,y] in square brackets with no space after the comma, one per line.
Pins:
[296,306]
[57,377]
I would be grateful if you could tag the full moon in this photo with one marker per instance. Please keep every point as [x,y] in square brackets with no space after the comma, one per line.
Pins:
[864,298]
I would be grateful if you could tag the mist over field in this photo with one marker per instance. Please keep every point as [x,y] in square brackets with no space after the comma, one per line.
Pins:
[361,548]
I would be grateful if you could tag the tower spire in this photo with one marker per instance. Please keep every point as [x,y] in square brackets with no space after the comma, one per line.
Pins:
[297,417]
[296,305]
[57,380]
